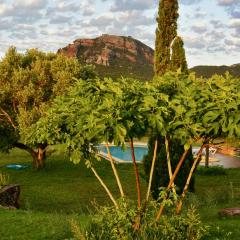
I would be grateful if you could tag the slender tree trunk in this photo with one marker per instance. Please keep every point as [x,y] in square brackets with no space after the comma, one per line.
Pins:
[115,171]
[152,170]
[136,173]
[183,157]
[207,156]
[169,162]
[105,187]
[196,161]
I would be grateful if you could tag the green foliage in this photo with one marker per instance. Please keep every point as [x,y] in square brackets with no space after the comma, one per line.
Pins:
[169,56]
[110,223]
[178,58]
[87,72]
[165,33]
[216,233]
[173,105]
[29,83]
[218,101]
[122,68]
[93,112]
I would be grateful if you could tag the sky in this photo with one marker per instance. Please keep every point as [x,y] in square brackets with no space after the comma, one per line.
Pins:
[210,28]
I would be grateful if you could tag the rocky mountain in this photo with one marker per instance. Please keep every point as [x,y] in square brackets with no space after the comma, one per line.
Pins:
[116,56]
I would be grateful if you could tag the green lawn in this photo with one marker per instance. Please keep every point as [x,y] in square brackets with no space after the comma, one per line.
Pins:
[51,198]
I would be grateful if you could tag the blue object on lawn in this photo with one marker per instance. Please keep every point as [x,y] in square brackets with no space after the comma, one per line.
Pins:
[17,166]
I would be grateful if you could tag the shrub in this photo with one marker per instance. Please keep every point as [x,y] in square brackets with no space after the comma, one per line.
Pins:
[115,224]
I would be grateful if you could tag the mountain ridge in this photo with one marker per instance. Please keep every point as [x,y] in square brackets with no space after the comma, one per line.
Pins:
[116,56]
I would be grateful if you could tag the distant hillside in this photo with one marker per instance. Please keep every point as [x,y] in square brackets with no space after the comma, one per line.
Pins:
[208,71]
[114,56]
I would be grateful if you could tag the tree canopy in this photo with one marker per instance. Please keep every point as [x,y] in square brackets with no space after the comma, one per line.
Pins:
[29,83]
[103,110]
[165,34]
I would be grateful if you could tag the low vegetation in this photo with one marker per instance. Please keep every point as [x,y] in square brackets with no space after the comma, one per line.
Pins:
[52,200]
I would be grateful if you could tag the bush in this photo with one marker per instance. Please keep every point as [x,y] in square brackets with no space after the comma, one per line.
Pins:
[115,224]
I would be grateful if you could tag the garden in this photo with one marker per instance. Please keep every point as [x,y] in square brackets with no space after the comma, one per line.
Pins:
[55,114]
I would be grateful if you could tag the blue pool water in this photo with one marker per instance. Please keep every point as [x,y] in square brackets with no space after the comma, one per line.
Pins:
[126,155]
[141,151]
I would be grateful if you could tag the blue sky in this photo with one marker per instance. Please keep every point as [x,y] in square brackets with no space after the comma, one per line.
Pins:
[210,28]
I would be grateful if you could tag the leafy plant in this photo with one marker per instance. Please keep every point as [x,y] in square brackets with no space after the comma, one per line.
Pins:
[114,224]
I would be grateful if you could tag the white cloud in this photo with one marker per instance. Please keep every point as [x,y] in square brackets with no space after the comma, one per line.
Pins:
[199,27]
[234,23]
[194,42]
[50,24]
[227,2]
[30,4]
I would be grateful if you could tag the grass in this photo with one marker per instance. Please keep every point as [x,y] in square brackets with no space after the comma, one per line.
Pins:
[51,198]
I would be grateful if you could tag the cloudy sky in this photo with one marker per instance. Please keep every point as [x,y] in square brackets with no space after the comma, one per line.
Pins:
[210,28]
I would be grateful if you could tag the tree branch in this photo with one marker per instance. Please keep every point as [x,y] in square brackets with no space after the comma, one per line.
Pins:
[9,119]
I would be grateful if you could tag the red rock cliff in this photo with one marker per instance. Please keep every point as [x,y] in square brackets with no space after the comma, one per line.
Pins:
[110,50]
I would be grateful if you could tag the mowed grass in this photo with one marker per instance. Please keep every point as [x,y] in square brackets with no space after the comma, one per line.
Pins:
[52,197]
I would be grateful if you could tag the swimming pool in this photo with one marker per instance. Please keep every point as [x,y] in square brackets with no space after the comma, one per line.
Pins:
[121,155]
[125,156]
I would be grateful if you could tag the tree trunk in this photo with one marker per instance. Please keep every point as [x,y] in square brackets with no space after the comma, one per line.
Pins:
[115,171]
[195,164]
[207,156]
[37,157]
[105,187]
[41,156]
[183,157]
[152,170]
[136,174]
[169,163]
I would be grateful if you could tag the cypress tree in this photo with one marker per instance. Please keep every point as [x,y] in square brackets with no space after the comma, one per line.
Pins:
[165,34]
[178,58]
[169,56]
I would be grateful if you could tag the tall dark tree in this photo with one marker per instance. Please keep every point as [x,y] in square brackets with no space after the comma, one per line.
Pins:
[178,58]
[169,56]
[165,34]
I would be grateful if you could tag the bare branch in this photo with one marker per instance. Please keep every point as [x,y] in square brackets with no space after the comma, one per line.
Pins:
[9,119]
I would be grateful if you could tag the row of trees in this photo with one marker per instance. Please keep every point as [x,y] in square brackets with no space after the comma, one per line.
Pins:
[105,111]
